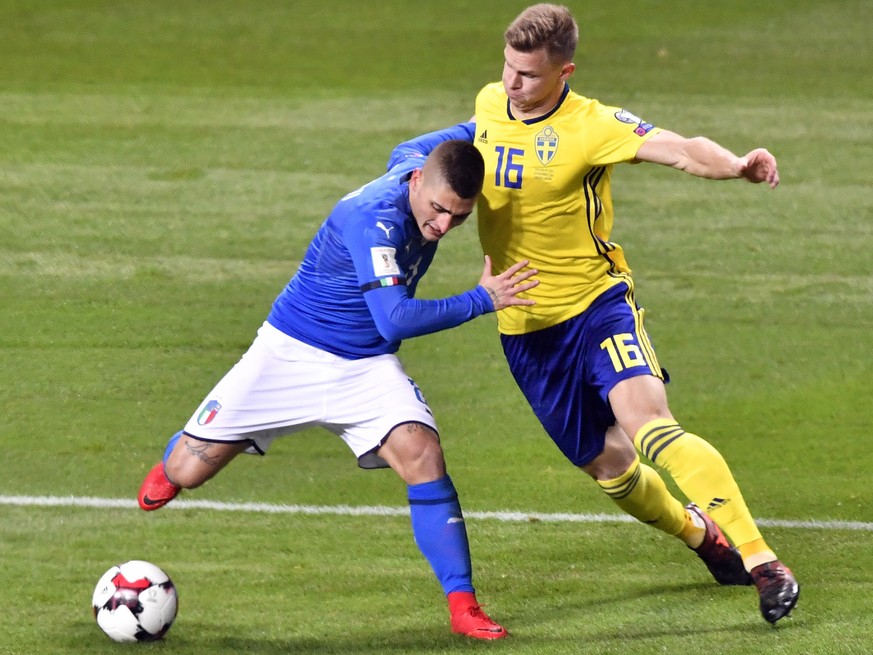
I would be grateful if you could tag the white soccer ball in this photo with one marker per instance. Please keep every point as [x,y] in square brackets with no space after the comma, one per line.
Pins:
[135,601]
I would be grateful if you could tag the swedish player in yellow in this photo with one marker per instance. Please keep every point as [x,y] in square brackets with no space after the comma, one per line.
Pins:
[581,355]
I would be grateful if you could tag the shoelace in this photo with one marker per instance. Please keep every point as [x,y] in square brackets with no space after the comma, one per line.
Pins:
[770,580]
[770,576]
[476,612]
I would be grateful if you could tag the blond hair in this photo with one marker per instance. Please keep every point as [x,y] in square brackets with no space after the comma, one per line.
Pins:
[544,26]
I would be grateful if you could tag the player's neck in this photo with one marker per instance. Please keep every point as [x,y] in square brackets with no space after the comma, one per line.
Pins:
[524,115]
[540,109]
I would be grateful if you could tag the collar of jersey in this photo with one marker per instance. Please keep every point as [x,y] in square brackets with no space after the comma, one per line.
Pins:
[531,121]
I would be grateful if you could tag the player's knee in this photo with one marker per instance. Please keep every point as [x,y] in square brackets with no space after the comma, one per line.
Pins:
[603,469]
[414,452]
[431,456]
[616,458]
[426,459]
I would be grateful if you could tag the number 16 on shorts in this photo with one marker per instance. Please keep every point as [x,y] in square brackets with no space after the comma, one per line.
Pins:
[623,351]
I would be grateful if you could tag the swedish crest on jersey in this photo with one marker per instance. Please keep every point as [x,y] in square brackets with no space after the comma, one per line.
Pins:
[546,145]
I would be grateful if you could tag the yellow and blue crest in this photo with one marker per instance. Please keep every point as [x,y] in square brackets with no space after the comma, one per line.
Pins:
[546,145]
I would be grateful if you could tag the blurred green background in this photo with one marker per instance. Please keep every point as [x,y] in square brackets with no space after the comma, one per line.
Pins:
[162,168]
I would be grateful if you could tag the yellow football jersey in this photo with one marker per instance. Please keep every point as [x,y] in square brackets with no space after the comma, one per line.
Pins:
[547,199]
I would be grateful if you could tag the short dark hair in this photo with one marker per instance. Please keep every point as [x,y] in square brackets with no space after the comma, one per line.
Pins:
[460,165]
[544,26]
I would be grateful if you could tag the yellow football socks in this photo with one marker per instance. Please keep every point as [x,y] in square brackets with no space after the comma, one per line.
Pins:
[704,477]
[756,552]
[641,492]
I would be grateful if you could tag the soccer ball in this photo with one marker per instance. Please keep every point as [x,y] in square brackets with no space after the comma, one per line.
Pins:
[135,601]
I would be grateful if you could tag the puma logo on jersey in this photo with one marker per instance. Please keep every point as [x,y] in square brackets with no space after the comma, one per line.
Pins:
[387,230]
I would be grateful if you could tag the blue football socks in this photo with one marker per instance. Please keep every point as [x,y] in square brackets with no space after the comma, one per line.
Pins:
[170,445]
[440,533]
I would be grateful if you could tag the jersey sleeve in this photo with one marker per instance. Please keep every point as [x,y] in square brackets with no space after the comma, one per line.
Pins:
[399,317]
[614,135]
[375,246]
[422,146]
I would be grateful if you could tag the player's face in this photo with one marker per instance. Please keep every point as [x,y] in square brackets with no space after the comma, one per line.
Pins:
[532,81]
[437,209]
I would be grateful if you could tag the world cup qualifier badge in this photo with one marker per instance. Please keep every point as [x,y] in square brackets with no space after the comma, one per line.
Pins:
[627,117]
[208,412]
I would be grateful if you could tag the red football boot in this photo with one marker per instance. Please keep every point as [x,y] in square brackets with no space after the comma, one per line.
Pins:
[723,560]
[469,620]
[156,490]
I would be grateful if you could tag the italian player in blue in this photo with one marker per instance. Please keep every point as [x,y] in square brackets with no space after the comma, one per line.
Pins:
[581,354]
[325,356]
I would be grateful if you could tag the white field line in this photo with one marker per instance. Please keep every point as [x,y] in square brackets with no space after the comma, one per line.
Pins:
[365,510]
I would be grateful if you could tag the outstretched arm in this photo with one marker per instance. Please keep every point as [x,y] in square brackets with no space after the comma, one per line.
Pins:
[422,146]
[705,158]
[399,317]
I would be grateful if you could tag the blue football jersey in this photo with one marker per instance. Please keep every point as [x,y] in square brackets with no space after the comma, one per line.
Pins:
[353,294]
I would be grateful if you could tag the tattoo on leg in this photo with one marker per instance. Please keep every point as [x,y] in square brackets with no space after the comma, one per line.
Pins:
[199,449]
[418,427]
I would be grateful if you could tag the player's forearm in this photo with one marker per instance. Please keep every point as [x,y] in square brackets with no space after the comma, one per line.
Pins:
[423,145]
[705,158]
[398,318]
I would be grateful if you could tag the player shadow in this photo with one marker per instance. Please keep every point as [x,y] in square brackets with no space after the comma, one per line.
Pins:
[222,639]
[574,608]
[426,640]
[525,626]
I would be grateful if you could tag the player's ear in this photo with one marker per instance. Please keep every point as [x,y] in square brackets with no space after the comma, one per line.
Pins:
[415,180]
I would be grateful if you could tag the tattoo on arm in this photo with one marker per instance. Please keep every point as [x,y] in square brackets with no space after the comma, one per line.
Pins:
[493,294]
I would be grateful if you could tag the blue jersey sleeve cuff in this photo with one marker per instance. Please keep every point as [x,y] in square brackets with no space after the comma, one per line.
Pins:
[483,299]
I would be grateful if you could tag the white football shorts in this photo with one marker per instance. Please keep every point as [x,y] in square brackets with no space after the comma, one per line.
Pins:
[282,386]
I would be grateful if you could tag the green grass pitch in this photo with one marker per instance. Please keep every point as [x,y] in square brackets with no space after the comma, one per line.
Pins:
[162,168]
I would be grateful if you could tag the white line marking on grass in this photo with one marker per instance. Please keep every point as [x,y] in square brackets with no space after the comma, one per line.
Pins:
[369,510]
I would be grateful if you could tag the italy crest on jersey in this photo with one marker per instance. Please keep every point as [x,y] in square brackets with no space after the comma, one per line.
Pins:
[546,145]
[208,413]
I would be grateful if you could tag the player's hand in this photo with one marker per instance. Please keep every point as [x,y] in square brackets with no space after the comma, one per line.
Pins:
[504,288]
[760,166]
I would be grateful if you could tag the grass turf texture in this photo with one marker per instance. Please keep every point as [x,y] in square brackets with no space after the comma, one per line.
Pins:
[163,167]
